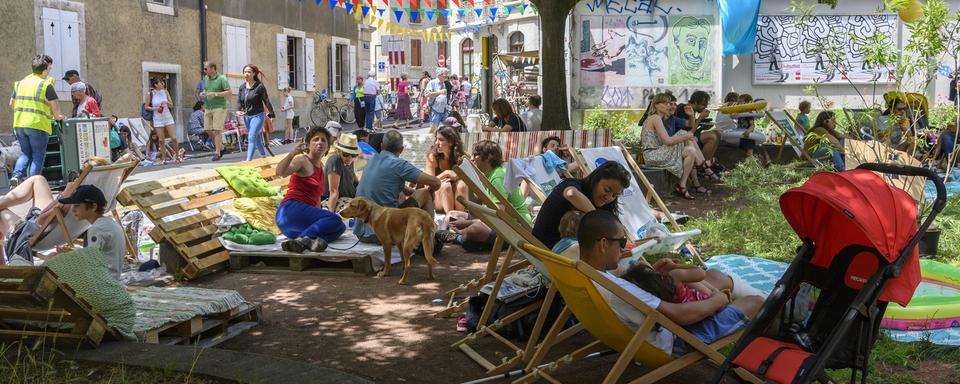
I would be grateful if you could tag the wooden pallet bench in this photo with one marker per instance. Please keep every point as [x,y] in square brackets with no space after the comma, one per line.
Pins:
[184,208]
[300,263]
[35,305]
[206,330]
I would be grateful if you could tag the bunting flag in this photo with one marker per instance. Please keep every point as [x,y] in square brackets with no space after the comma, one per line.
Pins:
[471,3]
[428,4]
[444,12]
[479,11]
[460,13]
[523,8]
[333,4]
[398,13]
[429,14]
[509,9]
[487,2]
[318,2]
[493,13]
[364,9]
[457,3]
[413,15]
[380,11]
[349,7]
[386,2]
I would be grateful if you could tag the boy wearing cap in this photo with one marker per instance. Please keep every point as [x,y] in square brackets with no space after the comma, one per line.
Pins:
[88,203]
[339,168]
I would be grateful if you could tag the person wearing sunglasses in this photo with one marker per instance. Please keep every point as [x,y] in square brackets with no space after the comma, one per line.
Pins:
[602,241]
[342,179]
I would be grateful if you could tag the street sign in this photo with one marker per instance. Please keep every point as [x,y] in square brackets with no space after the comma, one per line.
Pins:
[381,66]
[442,61]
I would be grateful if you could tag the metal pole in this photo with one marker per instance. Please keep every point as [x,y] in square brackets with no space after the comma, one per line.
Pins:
[203,31]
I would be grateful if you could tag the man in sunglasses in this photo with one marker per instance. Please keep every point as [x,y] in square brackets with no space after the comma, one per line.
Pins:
[602,241]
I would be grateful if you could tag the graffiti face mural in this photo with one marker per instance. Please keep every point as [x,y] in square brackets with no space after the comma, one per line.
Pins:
[690,56]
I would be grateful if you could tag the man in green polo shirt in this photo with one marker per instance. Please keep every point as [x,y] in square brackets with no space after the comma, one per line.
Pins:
[216,89]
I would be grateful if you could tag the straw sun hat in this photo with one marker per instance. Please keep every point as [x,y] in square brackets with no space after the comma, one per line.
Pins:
[347,143]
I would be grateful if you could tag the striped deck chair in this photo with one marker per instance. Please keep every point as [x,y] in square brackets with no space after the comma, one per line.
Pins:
[635,213]
[526,144]
[578,283]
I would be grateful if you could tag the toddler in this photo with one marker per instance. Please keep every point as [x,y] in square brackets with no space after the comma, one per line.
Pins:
[569,224]
[747,124]
[674,282]
[804,117]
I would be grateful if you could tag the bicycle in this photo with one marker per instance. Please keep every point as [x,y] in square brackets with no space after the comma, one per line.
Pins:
[327,109]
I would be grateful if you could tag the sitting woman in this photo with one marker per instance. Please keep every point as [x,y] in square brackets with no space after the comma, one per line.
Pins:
[896,124]
[473,234]
[660,150]
[34,189]
[599,190]
[306,226]
[504,119]
[446,153]
[341,178]
[946,145]
[823,139]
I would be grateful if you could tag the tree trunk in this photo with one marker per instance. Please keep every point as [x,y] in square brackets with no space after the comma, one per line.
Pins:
[553,16]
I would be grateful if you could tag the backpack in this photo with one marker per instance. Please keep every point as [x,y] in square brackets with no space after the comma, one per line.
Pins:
[146,114]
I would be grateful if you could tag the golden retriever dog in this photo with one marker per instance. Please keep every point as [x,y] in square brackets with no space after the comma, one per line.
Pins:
[403,227]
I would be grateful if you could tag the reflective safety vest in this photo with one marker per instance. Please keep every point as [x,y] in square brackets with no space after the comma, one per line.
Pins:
[31,109]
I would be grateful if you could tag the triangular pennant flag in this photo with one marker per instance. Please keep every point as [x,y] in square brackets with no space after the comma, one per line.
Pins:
[523,8]
[479,11]
[398,13]
[413,15]
[509,9]
[445,13]
[380,11]
[364,9]
[386,2]
[429,14]
[457,3]
[471,3]
[349,7]
[460,13]
[493,12]
[333,4]
[429,5]
[487,2]
[318,2]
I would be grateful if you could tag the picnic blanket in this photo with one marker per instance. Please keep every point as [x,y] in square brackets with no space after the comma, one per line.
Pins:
[763,275]
[347,244]
[953,186]
[157,306]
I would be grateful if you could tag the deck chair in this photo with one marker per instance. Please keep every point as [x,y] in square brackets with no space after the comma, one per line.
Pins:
[482,189]
[793,134]
[635,213]
[862,152]
[61,228]
[538,180]
[578,284]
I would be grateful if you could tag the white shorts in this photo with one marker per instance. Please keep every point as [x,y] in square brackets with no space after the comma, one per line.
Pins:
[163,119]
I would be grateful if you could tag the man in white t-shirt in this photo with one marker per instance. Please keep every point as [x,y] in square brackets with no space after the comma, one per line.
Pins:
[533,116]
[467,86]
[436,93]
[88,203]
[602,239]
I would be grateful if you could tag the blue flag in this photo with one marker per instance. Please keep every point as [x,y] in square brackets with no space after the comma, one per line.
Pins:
[738,18]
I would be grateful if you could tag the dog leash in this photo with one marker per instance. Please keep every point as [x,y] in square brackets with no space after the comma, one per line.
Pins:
[344,249]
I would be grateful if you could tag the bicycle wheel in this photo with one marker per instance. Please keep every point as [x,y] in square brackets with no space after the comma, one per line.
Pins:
[317,116]
[332,112]
[346,114]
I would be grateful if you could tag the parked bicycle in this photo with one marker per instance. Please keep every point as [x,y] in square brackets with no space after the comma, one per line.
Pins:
[329,109]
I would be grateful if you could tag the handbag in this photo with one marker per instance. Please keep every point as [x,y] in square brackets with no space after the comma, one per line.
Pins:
[267,125]
[147,115]
[115,142]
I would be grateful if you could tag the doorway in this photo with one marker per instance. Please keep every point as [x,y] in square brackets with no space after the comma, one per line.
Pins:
[171,75]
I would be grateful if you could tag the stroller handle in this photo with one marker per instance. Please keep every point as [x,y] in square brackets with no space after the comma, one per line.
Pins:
[906,170]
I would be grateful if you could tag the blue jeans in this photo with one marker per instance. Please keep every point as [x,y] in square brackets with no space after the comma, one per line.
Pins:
[298,219]
[436,118]
[711,329]
[947,140]
[33,151]
[254,138]
[370,104]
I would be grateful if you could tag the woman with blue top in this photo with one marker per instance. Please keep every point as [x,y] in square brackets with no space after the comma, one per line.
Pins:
[253,99]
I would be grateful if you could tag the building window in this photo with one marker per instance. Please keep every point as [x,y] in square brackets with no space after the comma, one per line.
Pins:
[164,7]
[343,65]
[415,9]
[62,42]
[516,42]
[340,76]
[415,53]
[295,61]
[236,49]
[466,57]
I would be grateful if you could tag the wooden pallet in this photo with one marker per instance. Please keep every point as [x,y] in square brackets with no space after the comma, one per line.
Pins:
[34,305]
[300,263]
[196,200]
[206,330]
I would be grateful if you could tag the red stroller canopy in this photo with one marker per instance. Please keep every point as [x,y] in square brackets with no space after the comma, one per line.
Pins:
[856,207]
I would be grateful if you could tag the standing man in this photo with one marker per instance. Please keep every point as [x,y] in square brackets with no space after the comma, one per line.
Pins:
[466,87]
[35,105]
[216,89]
[436,93]
[370,89]
[72,76]
[533,116]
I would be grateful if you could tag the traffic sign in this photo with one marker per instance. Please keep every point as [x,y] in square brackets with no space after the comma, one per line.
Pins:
[442,61]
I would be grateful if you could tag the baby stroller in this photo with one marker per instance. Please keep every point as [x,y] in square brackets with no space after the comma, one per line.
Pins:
[859,248]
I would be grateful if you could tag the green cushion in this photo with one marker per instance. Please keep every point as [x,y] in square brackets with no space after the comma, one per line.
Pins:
[262,238]
[85,271]
[247,182]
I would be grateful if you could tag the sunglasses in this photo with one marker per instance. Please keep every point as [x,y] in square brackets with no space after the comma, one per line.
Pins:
[349,155]
[621,240]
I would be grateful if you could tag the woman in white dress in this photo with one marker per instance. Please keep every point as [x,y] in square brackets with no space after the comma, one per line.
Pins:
[159,101]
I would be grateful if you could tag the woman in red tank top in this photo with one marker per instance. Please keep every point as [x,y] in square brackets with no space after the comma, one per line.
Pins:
[300,218]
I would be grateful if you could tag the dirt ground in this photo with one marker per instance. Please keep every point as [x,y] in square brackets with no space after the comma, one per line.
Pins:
[377,329]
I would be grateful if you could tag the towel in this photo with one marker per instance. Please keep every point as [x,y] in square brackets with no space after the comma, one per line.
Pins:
[739,21]
[551,161]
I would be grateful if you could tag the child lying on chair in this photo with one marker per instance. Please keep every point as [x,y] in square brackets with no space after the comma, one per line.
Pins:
[676,283]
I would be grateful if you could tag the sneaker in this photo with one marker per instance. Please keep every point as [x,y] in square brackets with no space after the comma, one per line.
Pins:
[293,245]
[446,236]
[316,245]
[14,181]
[462,324]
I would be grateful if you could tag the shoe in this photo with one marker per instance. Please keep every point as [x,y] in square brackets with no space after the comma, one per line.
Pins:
[14,181]
[315,245]
[678,217]
[462,324]
[293,245]
[215,158]
[446,236]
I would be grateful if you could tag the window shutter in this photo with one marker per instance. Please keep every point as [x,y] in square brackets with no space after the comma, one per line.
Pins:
[282,70]
[51,44]
[332,70]
[309,62]
[69,46]
[352,52]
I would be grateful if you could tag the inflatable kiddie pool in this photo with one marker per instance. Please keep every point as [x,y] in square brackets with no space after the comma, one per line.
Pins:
[935,304]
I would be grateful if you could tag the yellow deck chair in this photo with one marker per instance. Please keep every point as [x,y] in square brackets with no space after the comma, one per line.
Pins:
[534,352]
[577,283]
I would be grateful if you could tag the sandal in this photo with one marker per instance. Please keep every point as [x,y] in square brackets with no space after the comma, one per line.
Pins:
[682,192]
[707,172]
[701,189]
